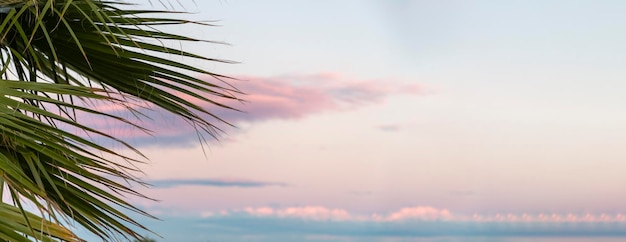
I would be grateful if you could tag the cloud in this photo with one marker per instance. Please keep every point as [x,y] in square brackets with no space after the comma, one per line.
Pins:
[293,97]
[425,213]
[417,223]
[323,213]
[411,229]
[267,98]
[308,212]
[302,222]
[169,183]
[422,213]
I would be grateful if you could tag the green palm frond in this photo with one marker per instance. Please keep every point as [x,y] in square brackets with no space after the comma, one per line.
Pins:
[16,222]
[6,3]
[54,53]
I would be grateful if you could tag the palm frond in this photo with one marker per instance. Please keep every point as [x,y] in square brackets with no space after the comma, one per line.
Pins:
[54,52]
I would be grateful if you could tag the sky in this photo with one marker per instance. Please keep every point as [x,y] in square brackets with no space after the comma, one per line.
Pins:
[400,121]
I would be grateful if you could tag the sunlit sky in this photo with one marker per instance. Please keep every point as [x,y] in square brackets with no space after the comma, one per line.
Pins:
[379,111]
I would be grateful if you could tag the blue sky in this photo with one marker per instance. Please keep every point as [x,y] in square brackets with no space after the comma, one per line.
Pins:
[484,109]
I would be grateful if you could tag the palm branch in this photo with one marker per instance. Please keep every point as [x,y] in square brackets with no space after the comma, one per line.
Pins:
[57,56]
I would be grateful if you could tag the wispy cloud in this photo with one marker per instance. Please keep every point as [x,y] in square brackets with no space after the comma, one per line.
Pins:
[267,98]
[423,213]
[220,182]
[292,97]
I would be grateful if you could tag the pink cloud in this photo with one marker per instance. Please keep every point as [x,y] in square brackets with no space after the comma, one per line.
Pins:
[420,213]
[292,97]
[285,97]
[324,213]
[308,212]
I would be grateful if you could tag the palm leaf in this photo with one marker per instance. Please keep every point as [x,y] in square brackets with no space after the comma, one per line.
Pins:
[55,53]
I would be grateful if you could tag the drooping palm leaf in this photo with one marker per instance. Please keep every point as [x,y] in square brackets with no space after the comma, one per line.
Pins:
[61,51]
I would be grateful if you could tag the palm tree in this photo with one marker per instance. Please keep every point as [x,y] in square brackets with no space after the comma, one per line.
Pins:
[57,56]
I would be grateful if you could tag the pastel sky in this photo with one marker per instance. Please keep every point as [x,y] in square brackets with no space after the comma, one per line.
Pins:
[401,121]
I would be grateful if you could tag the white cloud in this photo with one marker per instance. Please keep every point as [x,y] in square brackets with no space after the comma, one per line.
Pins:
[308,212]
[418,213]
[423,213]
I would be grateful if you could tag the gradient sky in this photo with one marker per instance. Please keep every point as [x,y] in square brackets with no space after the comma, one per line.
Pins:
[367,119]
